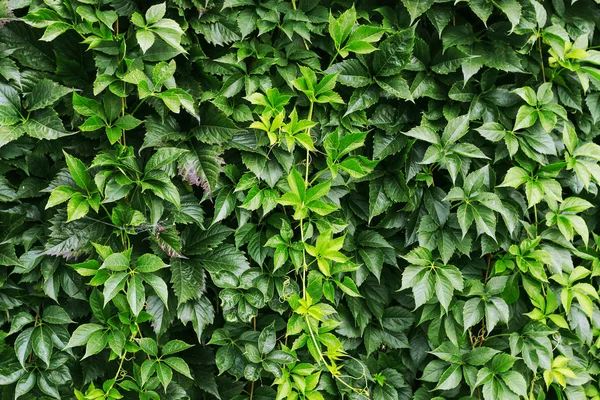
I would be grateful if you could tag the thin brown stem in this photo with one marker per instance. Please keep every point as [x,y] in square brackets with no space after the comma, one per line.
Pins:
[487,271]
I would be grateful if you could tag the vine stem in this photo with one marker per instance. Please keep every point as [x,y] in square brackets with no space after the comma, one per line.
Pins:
[125,354]
[120,365]
[333,59]
[310,113]
[317,176]
[541,58]
[329,368]
[307,161]
[305,268]
[487,271]
[535,216]
[138,105]
[487,274]
[303,40]
[535,378]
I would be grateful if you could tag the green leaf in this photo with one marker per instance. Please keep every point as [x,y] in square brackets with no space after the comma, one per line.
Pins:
[87,107]
[164,374]
[44,385]
[127,122]
[147,370]
[364,33]
[502,362]
[226,257]
[149,263]
[23,344]
[443,290]
[162,157]
[512,9]
[77,207]
[155,13]
[224,204]
[362,99]
[450,378]
[424,133]
[169,31]
[479,356]
[492,131]
[527,94]
[136,295]
[145,39]
[114,285]
[41,343]
[82,334]
[515,382]
[149,346]
[515,177]
[378,200]
[56,315]
[25,384]
[526,117]
[267,339]
[188,279]
[45,124]
[45,93]
[351,73]
[174,346]
[8,256]
[159,286]
[373,259]
[455,129]
[55,30]
[201,166]
[179,365]
[200,312]
[78,172]
[96,343]
[348,286]
[116,262]
[215,127]
[394,52]
[339,29]
[163,72]
[417,7]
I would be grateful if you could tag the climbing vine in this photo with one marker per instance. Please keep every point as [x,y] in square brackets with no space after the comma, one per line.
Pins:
[243,199]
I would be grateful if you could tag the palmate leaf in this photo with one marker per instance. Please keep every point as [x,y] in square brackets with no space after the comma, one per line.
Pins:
[200,312]
[200,166]
[451,169]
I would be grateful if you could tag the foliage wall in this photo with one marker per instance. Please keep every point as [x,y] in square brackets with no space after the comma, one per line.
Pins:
[245,199]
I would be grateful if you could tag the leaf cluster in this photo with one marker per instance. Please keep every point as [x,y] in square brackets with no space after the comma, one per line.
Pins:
[299,200]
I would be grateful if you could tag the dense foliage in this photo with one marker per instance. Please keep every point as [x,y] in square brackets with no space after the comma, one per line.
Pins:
[300,199]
